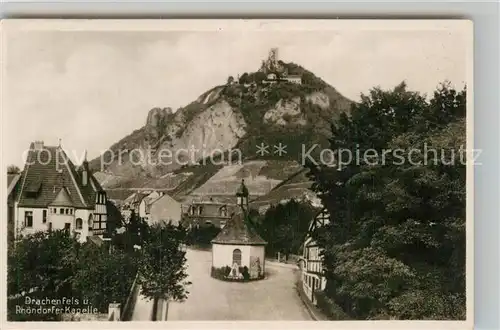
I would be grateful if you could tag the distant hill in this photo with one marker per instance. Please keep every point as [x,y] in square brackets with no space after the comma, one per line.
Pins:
[280,103]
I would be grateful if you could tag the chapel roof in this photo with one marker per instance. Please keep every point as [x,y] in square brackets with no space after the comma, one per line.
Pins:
[237,231]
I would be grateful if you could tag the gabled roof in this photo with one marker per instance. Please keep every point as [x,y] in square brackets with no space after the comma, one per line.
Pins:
[12,180]
[118,194]
[238,232]
[139,196]
[49,169]
[62,198]
[164,197]
[320,219]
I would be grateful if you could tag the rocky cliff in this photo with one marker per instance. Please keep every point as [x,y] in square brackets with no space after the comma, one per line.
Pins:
[234,117]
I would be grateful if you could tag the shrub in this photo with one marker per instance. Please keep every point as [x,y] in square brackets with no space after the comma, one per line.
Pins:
[245,273]
[220,273]
[329,307]
[223,272]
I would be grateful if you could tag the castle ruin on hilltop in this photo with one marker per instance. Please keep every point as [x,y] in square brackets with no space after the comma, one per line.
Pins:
[276,70]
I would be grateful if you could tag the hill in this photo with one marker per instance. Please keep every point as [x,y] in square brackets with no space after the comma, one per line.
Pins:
[191,149]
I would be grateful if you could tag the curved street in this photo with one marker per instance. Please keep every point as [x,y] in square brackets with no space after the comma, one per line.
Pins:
[274,298]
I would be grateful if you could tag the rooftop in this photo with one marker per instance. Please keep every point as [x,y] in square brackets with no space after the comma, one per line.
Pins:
[47,171]
[237,231]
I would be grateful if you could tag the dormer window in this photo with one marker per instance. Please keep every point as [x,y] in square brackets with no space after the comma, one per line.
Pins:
[33,188]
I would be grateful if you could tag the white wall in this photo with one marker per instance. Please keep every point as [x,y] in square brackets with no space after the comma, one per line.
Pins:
[38,224]
[142,205]
[222,255]
[57,220]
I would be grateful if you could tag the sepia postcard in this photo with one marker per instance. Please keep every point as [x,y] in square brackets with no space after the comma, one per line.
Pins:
[318,173]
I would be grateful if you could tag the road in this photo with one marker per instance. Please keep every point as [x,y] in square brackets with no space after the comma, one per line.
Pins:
[273,298]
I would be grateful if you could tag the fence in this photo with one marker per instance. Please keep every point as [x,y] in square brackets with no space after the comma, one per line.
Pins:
[281,257]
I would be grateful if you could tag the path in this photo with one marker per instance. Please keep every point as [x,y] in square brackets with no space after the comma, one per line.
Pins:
[273,298]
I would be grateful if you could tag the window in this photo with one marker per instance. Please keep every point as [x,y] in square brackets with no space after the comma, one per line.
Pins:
[71,211]
[208,222]
[91,222]
[79,223]
[61,211]
[200,210]
[67,211]
[28,219]
[44,217]
[50,226]
[67,226]
[237,257]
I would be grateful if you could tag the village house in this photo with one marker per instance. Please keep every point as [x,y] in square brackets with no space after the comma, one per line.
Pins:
[206,213]
[311,262]
[54,194]
[152,207]
[165,209]
[294,79]
[147,198]
[238,245]
[138,203]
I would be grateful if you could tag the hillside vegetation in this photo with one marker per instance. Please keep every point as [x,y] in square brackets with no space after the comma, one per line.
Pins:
[395,246]
[240,115]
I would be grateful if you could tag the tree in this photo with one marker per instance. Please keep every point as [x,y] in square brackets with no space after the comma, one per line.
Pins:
[42,262]
[55,265]
[244,79]
[13,169]
[102,277]
[259,77]
[395,245]
[114,218]
[230,80]
[162,264]
[284,226]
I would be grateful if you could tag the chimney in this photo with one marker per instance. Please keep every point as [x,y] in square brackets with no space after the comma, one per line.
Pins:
[38,145]
[85,178]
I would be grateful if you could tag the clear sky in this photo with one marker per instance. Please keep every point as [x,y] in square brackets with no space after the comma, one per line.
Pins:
[90,89]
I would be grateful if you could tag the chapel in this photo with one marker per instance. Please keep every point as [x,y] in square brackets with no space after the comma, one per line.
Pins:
[238,246]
